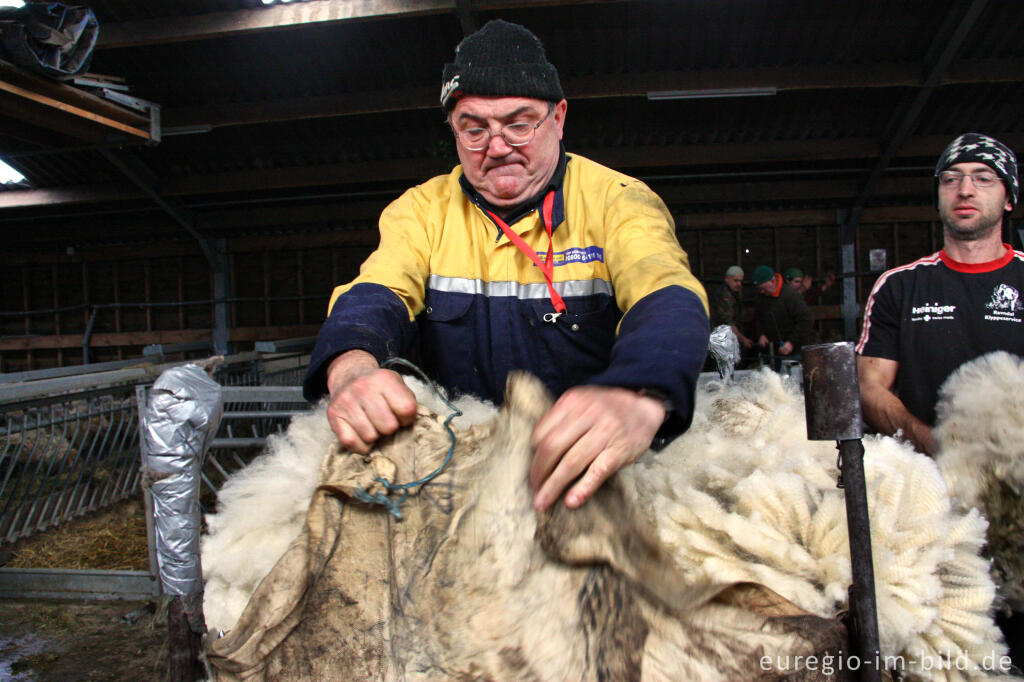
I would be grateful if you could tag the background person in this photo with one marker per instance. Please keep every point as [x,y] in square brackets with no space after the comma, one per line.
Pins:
[726,304]
[925,319]
[796,279]
[783,319]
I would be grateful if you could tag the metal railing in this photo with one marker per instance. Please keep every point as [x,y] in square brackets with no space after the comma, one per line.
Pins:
[70,445]
[251,414]
[65,456]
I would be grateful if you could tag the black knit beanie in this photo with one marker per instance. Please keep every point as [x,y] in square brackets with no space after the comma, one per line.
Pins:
[500,60]
[977,148]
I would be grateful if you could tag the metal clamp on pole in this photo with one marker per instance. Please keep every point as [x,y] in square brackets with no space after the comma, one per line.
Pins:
[832,406]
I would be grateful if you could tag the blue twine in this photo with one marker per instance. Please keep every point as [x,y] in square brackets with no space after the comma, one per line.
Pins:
[384,499]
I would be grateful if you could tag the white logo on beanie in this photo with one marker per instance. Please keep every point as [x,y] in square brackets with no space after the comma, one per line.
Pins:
[448,88]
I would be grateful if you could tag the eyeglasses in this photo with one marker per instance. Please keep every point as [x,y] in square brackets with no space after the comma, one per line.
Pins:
[981,179]
[514,134]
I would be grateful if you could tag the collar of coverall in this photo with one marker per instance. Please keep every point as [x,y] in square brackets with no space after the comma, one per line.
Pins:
[531,204]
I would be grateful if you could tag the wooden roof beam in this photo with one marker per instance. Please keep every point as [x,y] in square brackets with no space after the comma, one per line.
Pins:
[284,16]
[696,157]
[785,79]
[66,109]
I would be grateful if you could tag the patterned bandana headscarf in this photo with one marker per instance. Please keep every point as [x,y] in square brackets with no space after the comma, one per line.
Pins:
[977,148]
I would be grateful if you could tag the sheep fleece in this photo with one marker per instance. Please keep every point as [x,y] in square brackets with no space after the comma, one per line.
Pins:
[473,584]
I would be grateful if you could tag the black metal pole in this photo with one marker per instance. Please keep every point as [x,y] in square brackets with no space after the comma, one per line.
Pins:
[863,607]
[832,406]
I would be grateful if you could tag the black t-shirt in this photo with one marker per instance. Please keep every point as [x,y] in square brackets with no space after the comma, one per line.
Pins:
[935,314]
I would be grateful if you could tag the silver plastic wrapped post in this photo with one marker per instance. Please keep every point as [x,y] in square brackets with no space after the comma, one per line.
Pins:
[181,418]
[724,347]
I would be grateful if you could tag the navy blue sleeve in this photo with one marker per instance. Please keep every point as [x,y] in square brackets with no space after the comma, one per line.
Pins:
[661,345]
[367,317]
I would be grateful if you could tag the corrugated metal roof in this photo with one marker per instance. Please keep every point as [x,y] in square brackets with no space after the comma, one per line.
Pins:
[318,99]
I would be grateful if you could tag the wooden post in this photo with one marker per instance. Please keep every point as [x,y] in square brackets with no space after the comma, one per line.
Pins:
[266,288]
[738,243]
[117,309]
[146,285]
[85,293]
[819,265]
[700,252]
[299,287]
[775,248]
[27,305]
[185,628]
[56,311]
[181,293]
[232,286]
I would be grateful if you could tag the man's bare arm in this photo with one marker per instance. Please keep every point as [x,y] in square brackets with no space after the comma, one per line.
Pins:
[367,402]
[883,411]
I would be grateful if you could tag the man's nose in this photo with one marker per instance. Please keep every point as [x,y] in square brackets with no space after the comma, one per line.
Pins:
[497,146]
[966,186]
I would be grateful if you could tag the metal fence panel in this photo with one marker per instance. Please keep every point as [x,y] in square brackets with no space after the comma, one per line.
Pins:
[65,455]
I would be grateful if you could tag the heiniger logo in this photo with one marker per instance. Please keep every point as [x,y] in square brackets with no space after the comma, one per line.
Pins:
[932,311]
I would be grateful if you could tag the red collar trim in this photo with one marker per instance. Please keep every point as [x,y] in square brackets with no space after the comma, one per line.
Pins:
[988,266]
[778,285]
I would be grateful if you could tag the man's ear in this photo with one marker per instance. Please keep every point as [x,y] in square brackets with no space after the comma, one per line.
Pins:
[559,116]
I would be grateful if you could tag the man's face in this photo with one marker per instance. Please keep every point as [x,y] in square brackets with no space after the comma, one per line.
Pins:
[968,212]
[504,175]
[734,282]
[766,288]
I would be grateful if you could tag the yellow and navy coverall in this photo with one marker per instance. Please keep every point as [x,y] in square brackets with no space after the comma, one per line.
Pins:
[446,279]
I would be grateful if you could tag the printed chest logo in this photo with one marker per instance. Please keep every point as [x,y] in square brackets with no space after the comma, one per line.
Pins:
[1004,305]
[587,254]
[932,312]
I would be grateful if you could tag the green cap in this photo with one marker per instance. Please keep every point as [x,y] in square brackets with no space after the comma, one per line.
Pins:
[792,273]
[762,273]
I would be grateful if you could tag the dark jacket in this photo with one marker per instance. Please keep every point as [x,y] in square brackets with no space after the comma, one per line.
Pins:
[725,306]
[785,317]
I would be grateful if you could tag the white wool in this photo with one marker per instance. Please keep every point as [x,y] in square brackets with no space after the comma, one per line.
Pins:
[981,425]
[980,433]
[261,508]
[742,496]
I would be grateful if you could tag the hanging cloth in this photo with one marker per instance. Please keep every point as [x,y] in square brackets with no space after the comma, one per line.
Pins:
[547,266]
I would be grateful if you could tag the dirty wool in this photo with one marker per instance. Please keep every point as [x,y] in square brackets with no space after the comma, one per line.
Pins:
[724,556]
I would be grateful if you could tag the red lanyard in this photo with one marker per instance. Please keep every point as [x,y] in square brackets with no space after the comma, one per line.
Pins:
[547,266]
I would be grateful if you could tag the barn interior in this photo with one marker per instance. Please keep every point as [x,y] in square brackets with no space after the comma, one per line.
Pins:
[221,164]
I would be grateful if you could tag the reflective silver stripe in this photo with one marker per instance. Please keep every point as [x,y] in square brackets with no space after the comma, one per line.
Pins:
[462,285]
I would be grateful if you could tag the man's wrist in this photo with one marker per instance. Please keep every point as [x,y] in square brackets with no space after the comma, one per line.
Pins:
[660,396]
[348,365]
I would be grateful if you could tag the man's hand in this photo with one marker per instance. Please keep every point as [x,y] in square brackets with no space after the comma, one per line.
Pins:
[762,341]
[744,341]
[367,402]
[593,431]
